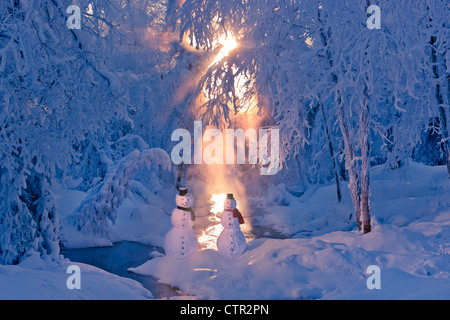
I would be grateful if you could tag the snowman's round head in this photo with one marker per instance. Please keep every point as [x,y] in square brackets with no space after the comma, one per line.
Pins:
[230,202]
[184,198]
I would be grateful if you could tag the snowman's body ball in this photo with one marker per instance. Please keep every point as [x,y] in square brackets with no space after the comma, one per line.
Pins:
[180,243]
[181,219]
[228,221]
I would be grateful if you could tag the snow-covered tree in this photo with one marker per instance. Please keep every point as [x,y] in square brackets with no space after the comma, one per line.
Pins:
[436,29]
[63,105]
[101,205]
[308,57]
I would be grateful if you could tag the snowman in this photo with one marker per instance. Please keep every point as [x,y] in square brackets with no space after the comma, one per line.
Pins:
[181,241]
[231,241]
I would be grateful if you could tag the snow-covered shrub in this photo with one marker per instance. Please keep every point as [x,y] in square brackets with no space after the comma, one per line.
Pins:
[101,205]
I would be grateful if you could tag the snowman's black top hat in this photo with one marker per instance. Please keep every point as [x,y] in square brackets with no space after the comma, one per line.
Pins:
[183,191]
[230,196]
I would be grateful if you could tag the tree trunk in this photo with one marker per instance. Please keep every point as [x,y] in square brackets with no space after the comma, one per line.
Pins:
[365,172]
[440,103]
[359,186]
[333,158]
[179,175]
[446,123]
[351,166]
[324,38]
[445,137]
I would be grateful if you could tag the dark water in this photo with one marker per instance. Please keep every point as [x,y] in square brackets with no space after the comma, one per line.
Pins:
[118,258]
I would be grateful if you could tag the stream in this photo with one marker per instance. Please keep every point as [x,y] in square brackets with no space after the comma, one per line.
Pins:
[118,258]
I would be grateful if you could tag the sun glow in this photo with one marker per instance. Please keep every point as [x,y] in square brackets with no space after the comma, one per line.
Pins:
[245,105]
[218,201]
[209,236]
[228,44]
[244,114]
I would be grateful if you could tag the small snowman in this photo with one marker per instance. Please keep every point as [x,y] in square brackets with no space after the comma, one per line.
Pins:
[181,241]
[231,241]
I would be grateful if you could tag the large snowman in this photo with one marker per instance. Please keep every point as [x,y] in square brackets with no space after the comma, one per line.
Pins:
[231,241]
[181,241]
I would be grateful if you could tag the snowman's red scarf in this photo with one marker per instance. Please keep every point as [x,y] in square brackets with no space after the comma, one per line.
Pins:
[190,210]
[236,214]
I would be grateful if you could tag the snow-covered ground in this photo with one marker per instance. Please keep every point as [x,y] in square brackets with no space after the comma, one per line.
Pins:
[329,267]
[409,242]
[38,279]
[322,257]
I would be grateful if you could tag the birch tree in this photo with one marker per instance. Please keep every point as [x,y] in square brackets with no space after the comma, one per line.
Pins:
[370,82]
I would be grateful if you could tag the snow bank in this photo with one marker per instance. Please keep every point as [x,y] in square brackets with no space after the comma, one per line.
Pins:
[398,197]
[315,213]
[35,278]
[329,267]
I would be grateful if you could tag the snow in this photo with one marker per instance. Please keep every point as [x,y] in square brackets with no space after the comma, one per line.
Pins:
[398,197]
[323,256]
[326,267]
[413,255]
[35,278]
[99,208]
[140,218]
